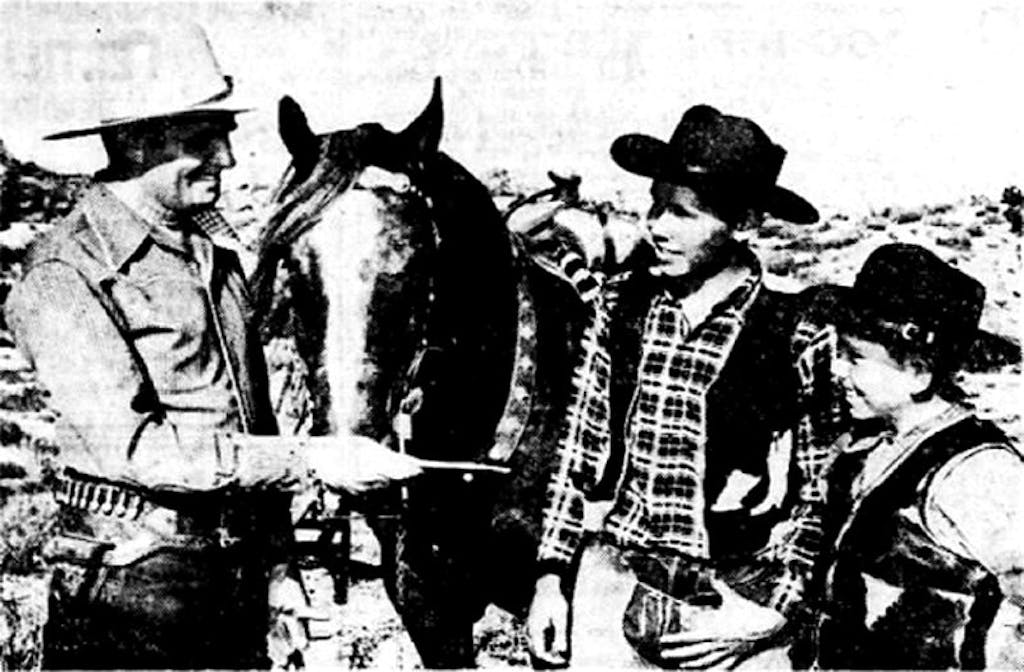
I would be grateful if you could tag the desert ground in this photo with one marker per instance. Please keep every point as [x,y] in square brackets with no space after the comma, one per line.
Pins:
[969,230]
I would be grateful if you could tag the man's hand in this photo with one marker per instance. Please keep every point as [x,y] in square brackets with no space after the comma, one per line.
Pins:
[358,464]
[548,622]
[723,637]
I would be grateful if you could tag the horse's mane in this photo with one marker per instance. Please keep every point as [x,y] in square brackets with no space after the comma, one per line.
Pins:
[340,158]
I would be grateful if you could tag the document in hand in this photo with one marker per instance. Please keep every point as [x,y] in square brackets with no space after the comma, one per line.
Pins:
[467,467]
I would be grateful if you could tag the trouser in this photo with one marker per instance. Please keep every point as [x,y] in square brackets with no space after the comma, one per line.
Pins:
[173,609]
[604,585]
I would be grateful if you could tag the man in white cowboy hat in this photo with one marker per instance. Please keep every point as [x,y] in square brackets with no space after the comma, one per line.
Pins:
[681,521]
[174,524]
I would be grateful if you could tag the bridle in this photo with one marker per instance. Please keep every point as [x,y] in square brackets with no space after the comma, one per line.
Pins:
[407,395]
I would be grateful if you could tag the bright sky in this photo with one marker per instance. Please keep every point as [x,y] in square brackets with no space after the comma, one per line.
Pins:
[876,102]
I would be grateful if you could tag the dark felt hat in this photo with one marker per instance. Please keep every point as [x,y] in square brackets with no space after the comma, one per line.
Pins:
[709,148]
[905,294]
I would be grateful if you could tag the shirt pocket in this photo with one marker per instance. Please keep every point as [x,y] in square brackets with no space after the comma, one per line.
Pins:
[155,303]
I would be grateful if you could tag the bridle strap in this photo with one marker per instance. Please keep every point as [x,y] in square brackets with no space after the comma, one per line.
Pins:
[510,428]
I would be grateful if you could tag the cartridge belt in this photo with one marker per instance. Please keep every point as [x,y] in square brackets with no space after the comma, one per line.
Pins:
[99,497]
[200,515]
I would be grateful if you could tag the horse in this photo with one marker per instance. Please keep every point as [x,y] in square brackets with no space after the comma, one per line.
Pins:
[424,325]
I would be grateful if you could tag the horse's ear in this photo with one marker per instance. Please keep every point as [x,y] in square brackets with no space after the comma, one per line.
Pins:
[295,131]
[424,133]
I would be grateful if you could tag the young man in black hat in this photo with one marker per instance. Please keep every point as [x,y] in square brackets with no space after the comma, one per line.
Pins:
[927,515]
[681,521]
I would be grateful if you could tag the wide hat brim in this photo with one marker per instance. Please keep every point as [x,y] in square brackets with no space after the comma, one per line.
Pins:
[650,157]
[192,111]
[845,308]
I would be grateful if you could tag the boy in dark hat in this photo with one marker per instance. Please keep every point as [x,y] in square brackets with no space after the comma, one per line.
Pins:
[927,511]
[682,518]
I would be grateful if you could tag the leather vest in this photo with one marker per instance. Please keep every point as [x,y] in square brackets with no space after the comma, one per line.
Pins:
[942,597]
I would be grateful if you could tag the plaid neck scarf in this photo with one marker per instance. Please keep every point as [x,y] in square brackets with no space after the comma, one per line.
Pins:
[211,222]
[667,430]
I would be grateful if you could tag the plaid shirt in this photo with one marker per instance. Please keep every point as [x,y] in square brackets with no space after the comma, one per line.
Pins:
[660,500]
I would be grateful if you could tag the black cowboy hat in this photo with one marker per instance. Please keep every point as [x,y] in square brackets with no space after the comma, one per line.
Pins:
[711,148]
[905,294]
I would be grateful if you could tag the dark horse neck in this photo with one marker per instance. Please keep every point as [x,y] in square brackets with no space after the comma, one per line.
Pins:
[473,321]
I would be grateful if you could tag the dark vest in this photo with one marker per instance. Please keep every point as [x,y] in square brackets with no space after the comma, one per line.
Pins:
[754,395]
[917,630]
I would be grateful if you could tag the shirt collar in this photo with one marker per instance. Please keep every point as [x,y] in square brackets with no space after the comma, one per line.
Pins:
[688,293]
[122,223]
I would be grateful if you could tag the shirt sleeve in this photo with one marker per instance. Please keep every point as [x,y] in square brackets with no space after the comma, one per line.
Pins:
[81,360]
[583,449]
[975,507]
[798,541]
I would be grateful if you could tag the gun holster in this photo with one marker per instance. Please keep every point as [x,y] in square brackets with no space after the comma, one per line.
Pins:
[86,555]
[75,549]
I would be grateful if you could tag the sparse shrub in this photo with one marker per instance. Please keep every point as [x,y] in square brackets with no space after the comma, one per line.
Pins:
[11,433]
[27,521]
[782,265]
[815,244]
[23,610]
[908,216]
[1014,200]
[28,399]
[975,230]
[940,209]
[954,242]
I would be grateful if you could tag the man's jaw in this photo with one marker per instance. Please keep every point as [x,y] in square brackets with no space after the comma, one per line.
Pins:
[204,188]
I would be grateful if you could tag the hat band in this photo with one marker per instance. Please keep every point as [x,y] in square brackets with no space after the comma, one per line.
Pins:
[908,332]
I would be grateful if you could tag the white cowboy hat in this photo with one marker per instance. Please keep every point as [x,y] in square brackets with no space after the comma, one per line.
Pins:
[131,74]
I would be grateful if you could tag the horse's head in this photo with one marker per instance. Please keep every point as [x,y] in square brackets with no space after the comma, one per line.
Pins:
[355,236]
[387,244]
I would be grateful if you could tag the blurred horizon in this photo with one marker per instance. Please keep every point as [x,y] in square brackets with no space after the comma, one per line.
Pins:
[877,104]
